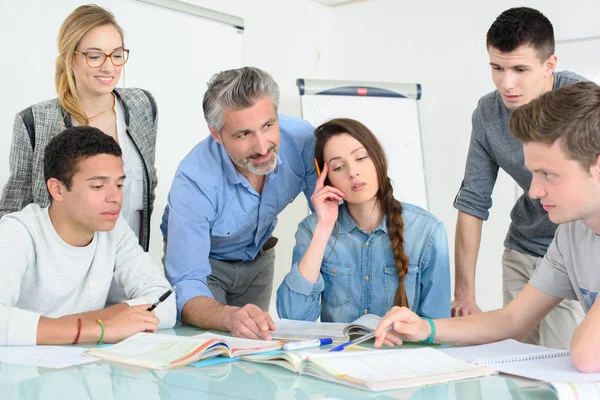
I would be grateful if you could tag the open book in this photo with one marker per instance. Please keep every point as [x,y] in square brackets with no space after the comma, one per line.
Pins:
[158,351]
[526,360]
[376,370]
[339,332]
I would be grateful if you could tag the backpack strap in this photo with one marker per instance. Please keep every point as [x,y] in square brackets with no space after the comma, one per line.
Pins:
[152,104]
[27,117]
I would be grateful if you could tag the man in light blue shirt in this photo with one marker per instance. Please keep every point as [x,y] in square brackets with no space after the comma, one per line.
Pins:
[224,201]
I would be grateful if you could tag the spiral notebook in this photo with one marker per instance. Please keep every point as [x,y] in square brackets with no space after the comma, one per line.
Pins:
[526,360]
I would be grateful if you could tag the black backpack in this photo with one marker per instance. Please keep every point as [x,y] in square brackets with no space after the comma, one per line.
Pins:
[28,120]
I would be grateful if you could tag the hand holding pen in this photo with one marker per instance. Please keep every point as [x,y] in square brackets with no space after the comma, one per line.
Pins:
[162,298]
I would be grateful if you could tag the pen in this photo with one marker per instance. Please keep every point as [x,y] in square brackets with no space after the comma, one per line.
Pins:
[305,344]
[161,299]
[357,341]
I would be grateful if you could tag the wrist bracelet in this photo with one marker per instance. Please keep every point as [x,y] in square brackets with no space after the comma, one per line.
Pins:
[431,337]
[78,331]
[102,334]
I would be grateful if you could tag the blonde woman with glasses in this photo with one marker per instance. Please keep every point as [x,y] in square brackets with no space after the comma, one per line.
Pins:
[92,55]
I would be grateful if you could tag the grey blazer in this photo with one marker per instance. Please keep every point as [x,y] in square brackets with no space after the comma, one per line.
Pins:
[26,183]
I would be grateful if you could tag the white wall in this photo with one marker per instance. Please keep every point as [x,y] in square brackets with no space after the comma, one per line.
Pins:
[442,46]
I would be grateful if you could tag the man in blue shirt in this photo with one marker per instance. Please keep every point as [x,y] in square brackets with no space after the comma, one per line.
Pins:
[224,202]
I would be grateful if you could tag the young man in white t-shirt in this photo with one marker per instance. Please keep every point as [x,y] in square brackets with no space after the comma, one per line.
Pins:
[57,263]
[560,132]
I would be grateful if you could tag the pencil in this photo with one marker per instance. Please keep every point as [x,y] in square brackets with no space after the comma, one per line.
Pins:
[317,167]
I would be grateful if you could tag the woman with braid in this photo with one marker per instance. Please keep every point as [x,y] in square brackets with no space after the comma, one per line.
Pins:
[362,251]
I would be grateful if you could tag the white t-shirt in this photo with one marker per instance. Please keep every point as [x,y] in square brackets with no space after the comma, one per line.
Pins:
[42,275]
[571,267]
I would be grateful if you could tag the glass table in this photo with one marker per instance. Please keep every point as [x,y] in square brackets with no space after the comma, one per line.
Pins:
[238,380]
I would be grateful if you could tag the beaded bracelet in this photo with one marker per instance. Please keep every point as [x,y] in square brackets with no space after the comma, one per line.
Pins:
[431,337]
[102,334]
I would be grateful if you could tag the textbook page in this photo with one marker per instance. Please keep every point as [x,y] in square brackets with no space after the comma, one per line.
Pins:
[238,345]
[339,332]
[45,356]
[158,351]
[364,325]
[304,330]
[391,369]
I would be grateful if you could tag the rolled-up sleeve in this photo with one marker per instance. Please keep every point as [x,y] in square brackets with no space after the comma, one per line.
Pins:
[481,171]
[297,298]
[435,276]
[188,246]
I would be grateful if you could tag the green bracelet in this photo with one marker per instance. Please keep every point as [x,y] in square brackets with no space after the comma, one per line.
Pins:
[102,334]
[431,337]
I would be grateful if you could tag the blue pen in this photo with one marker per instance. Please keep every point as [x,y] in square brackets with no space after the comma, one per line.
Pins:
[305,344]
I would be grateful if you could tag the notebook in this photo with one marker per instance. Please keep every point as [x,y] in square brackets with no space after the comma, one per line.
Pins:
[159,351]
[376,370]
[526,360]
[339,332]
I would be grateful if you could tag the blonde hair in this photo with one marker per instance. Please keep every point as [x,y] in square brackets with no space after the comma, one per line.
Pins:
[74,27]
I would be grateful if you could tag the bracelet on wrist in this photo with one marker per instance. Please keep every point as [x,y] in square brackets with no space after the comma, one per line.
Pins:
[78,331]
[431,338]
[102,334]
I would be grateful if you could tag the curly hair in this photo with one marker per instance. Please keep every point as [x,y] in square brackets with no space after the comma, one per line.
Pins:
[64,152]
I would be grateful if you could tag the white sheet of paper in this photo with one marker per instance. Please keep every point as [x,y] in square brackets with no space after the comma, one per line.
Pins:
[45,356]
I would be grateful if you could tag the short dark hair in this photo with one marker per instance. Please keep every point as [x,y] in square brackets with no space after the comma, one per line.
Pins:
[570,114]
[73,145]
[522,26]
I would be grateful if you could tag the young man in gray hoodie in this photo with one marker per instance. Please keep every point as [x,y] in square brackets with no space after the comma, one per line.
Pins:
[520,44]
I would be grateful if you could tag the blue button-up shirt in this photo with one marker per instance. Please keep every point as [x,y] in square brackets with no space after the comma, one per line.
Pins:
[213,211]
[358,274]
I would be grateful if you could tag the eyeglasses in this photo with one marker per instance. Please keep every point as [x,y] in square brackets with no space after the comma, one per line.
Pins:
[96,59]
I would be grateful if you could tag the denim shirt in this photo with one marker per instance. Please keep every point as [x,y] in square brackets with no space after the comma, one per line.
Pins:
[358,275]
[214,212]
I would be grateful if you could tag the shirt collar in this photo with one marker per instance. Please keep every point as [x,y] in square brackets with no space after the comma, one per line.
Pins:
[346,223]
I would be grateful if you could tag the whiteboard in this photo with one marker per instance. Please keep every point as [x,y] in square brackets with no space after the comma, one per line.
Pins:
[395,122]
[154,35]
